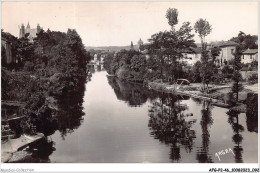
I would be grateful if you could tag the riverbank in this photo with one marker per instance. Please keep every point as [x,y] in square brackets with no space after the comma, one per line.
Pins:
[218,95]
[12,149]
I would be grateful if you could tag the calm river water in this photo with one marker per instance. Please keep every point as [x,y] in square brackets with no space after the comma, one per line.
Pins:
[125,122]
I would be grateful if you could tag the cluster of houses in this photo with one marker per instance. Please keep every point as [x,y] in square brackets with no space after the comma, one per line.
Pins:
[226,54]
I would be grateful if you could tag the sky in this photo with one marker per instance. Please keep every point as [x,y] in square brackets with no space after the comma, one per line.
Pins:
[119,23]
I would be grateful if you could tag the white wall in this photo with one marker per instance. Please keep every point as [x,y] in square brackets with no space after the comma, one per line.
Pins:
[249,58]
[226,53]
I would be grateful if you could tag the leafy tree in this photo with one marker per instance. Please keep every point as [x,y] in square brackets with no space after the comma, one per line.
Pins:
[167,47]
[172,16]
[107,62]
[196,72]
[237,78]
[246,41]
[203,28]
[57,63]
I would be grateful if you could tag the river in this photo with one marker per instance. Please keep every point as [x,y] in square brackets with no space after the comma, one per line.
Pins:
[126,123]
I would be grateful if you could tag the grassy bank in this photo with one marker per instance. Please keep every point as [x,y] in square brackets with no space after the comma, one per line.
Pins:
[218,94]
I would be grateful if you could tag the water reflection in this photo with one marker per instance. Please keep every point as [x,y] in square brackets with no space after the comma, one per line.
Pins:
[70,114]
[41,153]
[154,127]
[132,93]
[237,138]
[252,122]
[168,124]
[206,121]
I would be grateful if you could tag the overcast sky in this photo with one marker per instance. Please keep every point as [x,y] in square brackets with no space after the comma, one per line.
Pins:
[119,23]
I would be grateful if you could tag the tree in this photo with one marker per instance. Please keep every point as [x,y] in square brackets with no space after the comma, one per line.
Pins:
[203,28]
[196,72]
[246,41]
[237,78]
[167,47]
[172,16]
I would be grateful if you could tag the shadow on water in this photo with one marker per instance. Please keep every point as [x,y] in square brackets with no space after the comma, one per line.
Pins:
[237,138]
[168,124]
[167,121]
[252,122]
[132,93]
[206,121]
[66,119]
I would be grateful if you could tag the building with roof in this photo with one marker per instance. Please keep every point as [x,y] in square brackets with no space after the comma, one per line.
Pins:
[192,55]
[249,55]
[227,48]
[29,32]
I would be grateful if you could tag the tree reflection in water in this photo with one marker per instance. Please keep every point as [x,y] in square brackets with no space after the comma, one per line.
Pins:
[167,118]
[67,118]
[252,121]
[237,138]
[70,115]
[168,124]
[206,121]
[132,93]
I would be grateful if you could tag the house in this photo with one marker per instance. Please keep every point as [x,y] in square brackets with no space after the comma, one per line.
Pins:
[249,55]
[192,55]
[227,48]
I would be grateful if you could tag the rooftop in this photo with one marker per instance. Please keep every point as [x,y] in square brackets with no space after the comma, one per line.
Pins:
[223,43]
[250,51]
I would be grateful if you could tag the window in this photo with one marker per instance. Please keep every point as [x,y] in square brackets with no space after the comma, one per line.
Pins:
[232,51]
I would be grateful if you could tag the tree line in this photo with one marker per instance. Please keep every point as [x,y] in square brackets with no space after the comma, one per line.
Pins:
[164,58]
[51,68]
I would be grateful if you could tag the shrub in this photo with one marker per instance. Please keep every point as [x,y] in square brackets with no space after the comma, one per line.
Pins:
[28,66]
[252,104]
[253,78]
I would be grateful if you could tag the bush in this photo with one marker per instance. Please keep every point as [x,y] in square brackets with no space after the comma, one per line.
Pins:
[227,71]
[252,104]
[253,78]
[28,66]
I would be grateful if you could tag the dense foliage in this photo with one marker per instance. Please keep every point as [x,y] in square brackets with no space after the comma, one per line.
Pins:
[162,60]
[51,68]
[246,41]
[236,76]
